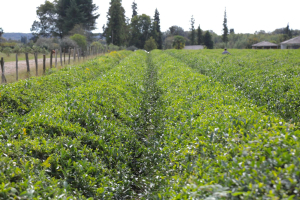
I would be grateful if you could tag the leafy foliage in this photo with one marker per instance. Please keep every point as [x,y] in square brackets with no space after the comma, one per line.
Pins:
[80,40]
[178,42]
[58,18]
[150,44]
[208,40]
[115,30]
[164,125]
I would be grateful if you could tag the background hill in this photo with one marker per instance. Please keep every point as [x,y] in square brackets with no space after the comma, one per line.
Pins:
[16,36]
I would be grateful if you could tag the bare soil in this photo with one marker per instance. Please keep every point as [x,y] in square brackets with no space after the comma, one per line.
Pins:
[10,67]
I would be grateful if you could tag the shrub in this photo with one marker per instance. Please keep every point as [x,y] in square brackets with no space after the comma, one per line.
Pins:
[7,51]
[97,45]
[67,43]
[18,49]
[150,44]
[80,40]
[179,42]
[47,43]
[112,47]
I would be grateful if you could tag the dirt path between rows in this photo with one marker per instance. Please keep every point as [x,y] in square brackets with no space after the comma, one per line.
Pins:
[10,67]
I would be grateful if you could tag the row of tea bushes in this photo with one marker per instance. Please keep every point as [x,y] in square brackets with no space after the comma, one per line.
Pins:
[79,144]
[270,78]
[20,97]
[219,144]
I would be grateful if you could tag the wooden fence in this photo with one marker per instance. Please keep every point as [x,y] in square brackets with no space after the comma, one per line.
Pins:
[65,58]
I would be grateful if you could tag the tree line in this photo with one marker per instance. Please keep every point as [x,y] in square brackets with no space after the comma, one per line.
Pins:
[63,19]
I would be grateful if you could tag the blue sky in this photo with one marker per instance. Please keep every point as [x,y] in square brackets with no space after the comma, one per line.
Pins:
[243,16]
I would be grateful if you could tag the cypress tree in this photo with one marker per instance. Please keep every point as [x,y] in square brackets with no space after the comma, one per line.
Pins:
[193,32]
[225,29]
[199,36]
[156,32]
[116,24]
[208,40]
[134,9]
[288,32]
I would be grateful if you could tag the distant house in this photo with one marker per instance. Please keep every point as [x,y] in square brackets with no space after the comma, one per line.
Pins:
[194,47]
[293,43]
[265,45]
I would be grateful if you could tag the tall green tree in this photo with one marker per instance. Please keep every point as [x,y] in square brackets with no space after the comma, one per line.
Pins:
[59,17]
[225,29]
[140,30]
[116,24]
[46,25]
[199,36]
[134,9]
[156,32]
[176,30]
[72,12]
[288,31]
[193,32]
[208,40]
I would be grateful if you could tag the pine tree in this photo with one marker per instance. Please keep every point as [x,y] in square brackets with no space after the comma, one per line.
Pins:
[208,40]
[193,32]
[134,9]
[225,29]
[199,36]
[70,21]
[288,32]
[156,32]
[116,25]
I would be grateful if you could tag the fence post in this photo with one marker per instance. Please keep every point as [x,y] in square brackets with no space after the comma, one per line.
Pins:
[44,63]
[78,50]
[69,55]
[51,56]
[56,58]
[2,69]
[74,54]
[60,52]
[36,64]
[64,56]
[27,62]
[17,68]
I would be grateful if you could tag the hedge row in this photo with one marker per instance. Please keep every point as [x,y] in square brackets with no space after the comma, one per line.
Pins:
[270,78]
[20,97]
[219,144]
[79,144]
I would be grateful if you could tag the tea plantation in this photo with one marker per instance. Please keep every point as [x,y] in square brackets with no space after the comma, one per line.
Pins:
[164,125]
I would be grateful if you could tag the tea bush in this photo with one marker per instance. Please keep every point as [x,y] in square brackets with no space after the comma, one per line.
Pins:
[164,125]
[79,143]
[219,144]
[21,96]
[269,78]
